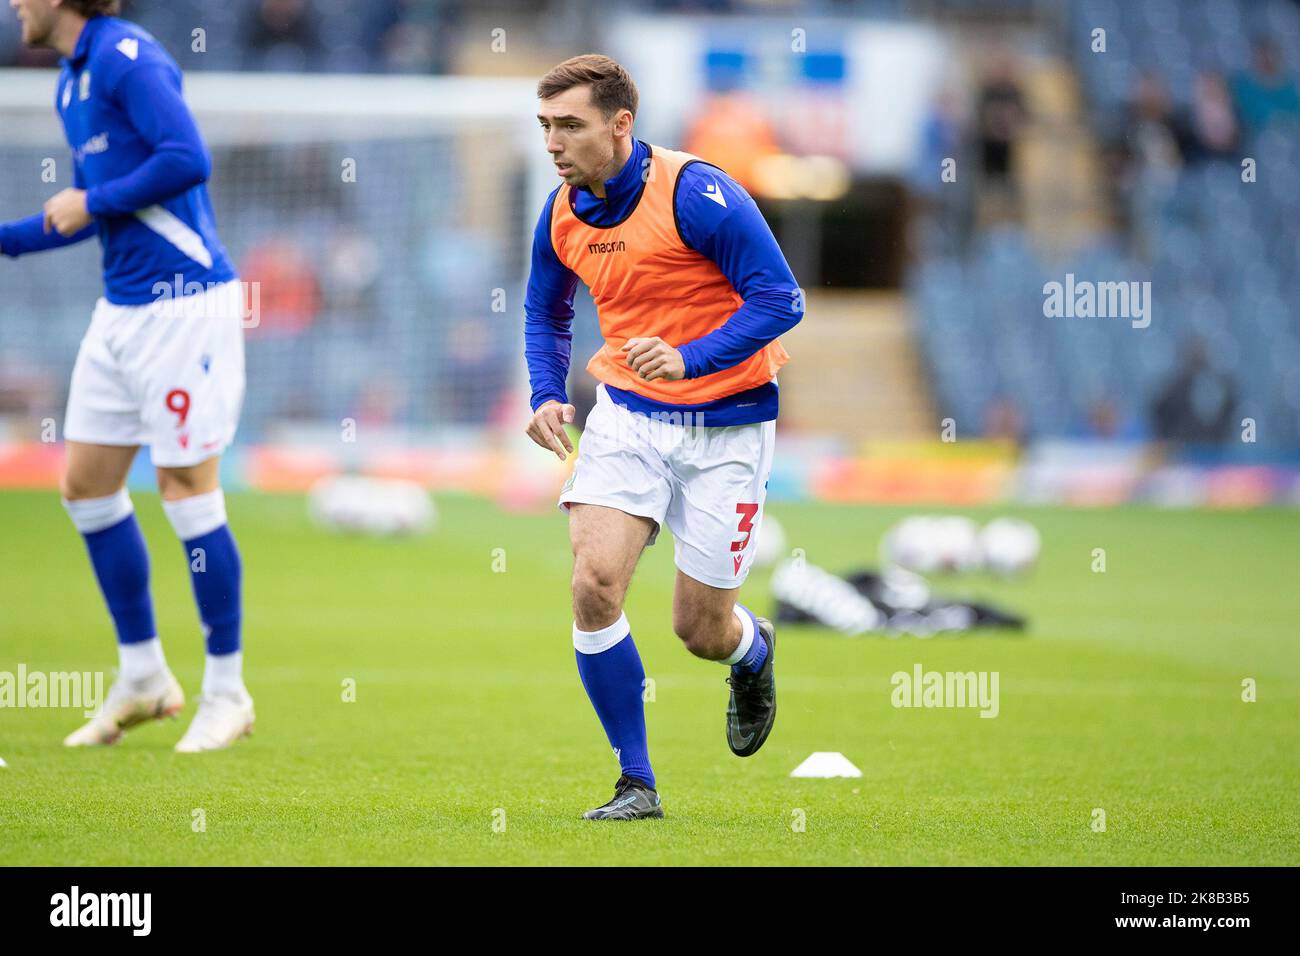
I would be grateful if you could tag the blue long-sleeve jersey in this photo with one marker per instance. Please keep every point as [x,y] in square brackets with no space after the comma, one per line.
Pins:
[732,233]
[139,155]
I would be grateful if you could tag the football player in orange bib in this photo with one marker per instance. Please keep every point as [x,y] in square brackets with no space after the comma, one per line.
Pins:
[692,294]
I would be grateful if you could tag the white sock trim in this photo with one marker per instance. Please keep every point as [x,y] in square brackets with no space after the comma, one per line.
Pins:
[224,674]
[195,516]
[141,660]
[595,642]
[746,636]
[95,514]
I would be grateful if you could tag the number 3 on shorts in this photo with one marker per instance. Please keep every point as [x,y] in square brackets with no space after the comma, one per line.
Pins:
[746,510]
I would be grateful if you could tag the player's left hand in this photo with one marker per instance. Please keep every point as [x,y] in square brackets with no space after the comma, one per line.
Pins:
[654,358]
[67,213]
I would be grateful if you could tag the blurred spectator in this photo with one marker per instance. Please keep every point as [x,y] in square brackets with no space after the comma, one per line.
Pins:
[1195,407]
[1150,158]
[941,139]
[1265,92]
[1155,137]
[941,223]
[1213,120]
[410,48]
[1000,120]
[733,132]
[425,37]
[352,273]
[281,35]
[1001,116]
[287,292]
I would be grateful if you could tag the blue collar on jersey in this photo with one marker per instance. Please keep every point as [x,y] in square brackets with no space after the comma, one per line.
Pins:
[83,42]
[622,193]
[628,180]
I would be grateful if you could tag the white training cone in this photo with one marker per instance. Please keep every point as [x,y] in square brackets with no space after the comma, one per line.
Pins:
[2,762]
[826,763]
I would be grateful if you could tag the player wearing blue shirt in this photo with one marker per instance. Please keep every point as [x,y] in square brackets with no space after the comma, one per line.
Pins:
[692,294]
[162,362]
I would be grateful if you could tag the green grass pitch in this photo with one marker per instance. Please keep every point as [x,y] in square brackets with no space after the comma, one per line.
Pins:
[1125,695]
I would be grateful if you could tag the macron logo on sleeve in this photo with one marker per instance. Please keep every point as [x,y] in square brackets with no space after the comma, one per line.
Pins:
[129,48]
[714,192]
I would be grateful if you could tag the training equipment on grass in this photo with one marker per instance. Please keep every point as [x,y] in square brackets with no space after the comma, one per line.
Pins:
[893,602]
[1009,546]
[948,544]
[930,544]
[375,506]
[826,763]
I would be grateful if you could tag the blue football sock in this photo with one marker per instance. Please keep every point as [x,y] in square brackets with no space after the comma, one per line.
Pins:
[121,563]
[216,573]
[751,652]
[215,570]
[614,678]
[122,566]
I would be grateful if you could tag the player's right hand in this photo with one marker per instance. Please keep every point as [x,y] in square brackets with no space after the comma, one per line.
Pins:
[66,213]
[547,427]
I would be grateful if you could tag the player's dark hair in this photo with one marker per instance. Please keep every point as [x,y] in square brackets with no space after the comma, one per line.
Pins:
[612,88]
[94,8]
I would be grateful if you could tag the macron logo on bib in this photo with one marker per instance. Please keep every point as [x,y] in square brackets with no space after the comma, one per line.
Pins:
[129,48]
[713,192]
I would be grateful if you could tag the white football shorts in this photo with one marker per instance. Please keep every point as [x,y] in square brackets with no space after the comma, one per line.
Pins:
[167,374]
[708,484]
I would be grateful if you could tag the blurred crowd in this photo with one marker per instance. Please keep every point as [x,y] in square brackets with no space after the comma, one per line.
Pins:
[1182,94]
[379,36]
[1194,108]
